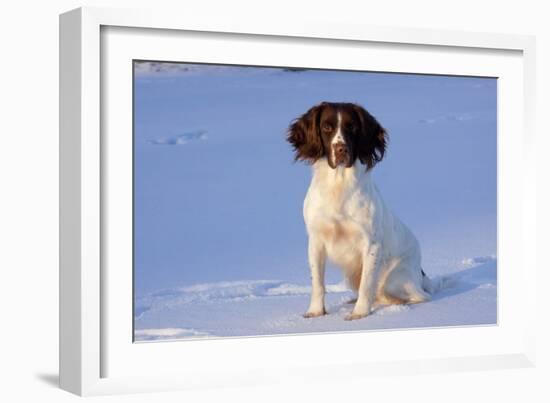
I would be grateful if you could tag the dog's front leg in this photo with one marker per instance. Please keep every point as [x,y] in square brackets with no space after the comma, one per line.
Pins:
[367,285]
[316,256]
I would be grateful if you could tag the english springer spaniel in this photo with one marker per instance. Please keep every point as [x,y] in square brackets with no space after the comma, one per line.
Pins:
[345,216]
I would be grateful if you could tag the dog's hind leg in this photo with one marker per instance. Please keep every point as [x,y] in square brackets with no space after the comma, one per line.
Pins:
[401,285]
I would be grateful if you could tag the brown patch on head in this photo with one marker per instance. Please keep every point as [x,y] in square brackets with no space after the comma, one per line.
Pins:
[303,134]
[342,132]
[371,138]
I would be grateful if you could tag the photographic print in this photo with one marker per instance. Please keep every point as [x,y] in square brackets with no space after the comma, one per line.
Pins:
[284,200]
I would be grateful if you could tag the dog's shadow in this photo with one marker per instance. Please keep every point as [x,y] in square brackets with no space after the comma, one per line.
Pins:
[482,274]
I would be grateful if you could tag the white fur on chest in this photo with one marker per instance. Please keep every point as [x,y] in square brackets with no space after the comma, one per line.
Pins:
[340,211]
[343,193]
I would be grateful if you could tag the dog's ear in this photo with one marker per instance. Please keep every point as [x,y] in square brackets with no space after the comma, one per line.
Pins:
[371,138]
[303,134]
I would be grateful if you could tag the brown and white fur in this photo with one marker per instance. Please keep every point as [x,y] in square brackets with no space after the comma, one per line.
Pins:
[346,219]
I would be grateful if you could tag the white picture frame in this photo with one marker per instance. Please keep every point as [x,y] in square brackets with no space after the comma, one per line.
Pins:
[96,354]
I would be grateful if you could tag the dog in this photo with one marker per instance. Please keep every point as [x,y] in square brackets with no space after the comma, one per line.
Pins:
[347,220]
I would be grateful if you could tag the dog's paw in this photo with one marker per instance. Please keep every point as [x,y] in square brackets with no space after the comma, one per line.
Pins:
[355,316]
[314,314]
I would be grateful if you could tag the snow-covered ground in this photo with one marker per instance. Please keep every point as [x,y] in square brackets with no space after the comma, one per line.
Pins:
[220,244]
[263,307]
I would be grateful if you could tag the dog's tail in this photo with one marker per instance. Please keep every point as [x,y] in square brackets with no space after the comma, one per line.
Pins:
[433,285]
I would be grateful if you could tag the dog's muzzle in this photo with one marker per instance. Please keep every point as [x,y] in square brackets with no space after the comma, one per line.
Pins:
[341,153]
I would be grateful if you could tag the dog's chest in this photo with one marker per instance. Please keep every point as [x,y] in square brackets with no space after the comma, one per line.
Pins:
[341,229]
[338,209]
[339,192]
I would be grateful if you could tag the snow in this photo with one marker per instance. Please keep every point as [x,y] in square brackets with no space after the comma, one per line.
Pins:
[249,308]
[220,243]
[166,334]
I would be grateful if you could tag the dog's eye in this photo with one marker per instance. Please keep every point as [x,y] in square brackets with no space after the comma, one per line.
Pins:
[351,127]
[326,127]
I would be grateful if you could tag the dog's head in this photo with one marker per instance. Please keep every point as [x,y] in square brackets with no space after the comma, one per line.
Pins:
[340,132]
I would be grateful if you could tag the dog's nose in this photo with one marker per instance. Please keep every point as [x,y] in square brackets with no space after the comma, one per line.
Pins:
[340,149]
